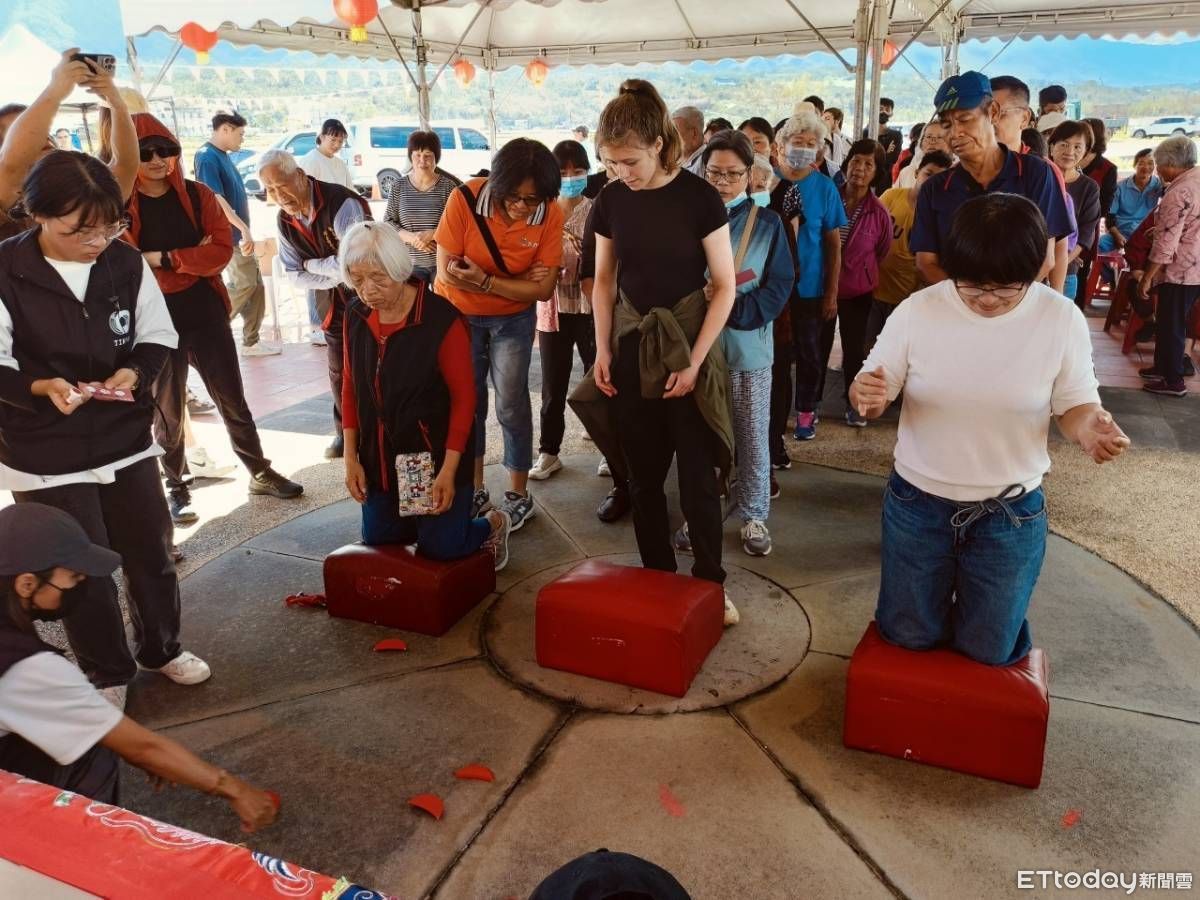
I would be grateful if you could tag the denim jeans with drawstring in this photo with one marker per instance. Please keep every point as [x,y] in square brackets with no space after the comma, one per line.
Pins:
[960,575]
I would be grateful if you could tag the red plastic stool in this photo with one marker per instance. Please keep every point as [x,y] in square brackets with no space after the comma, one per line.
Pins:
[633,626]
[390,585]
[940,708]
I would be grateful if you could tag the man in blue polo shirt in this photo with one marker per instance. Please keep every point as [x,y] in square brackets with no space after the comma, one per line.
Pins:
[212,165]
[967,109]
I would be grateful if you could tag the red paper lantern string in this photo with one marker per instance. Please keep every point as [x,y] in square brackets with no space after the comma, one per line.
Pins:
[536,72]
[356,13]
[196,37]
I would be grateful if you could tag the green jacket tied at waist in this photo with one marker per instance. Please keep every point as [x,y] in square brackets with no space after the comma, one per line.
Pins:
[665,347]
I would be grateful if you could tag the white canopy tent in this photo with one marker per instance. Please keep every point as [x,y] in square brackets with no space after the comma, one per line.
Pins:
[496,34]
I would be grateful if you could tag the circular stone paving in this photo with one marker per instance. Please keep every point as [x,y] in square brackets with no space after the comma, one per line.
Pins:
[764,648]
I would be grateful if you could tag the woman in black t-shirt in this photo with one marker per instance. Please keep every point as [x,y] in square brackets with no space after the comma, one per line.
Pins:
[666,232]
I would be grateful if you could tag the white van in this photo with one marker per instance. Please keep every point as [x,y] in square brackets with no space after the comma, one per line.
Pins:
[379,153]
[297,143]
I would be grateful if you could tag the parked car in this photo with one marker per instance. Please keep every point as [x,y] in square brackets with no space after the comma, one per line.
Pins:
[1168,126]
[296,143]
[380,151]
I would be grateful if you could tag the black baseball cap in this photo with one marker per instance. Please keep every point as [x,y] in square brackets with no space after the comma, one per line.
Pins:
[604,875]
[35,537]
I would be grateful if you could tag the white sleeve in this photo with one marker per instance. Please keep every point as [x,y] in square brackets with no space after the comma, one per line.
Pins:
[891,350]
[46,700]
[153,319]
[1076,382]
[6,340]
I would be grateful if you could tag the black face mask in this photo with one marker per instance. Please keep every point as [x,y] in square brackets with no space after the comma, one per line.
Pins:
[66,605]
[884,117]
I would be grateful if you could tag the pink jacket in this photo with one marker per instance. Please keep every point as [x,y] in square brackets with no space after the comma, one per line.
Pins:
[865,248]
[1177,230]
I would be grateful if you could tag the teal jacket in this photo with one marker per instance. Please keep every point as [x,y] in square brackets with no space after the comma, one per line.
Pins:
[747,339]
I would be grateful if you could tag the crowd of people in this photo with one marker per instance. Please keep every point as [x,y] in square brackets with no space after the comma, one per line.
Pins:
[699,273]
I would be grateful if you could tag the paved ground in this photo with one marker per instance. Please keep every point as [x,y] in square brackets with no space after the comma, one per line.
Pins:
[750,794]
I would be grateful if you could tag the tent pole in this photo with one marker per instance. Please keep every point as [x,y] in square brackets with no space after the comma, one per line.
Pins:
[135,67]
[493,132]
[880,23]
[162,73]
[860,62]
[422,62]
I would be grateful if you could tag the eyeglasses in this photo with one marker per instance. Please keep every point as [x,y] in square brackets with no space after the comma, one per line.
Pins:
[375,279]
[100,234]
[148,153]
[1002,292]
[717,176]
[1005,110]
[528,201]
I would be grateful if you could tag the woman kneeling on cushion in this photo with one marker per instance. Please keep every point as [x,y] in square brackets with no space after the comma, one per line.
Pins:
[408,406]
[985,358]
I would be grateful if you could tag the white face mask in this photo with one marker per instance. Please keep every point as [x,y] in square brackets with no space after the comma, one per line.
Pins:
[801,157]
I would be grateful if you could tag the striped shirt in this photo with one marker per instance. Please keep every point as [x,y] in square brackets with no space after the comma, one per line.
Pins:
[416,210]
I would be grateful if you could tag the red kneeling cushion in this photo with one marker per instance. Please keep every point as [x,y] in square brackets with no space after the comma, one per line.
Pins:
[634,626]
[390,585]
[944,709]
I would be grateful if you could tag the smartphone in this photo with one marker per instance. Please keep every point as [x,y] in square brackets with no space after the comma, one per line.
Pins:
[106,62]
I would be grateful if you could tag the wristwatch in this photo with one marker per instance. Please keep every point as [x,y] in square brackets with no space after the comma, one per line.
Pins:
[164,261]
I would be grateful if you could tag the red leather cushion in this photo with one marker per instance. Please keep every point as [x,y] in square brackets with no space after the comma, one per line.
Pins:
[390,585]
[634,626]
[941,708]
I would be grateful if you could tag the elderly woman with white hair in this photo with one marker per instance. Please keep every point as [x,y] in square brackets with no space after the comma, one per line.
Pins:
[408,405]
[1174,263]
[813,209]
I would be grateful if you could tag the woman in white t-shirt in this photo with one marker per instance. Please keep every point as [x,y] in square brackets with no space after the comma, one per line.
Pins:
[985,359]
[55,727]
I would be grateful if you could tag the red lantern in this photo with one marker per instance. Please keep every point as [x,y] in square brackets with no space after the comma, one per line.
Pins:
[891,53]
[197,38]
[464,72]
[536,72]
[357,13]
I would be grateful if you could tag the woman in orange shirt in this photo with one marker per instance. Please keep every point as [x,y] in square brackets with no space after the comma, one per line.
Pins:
[499,248]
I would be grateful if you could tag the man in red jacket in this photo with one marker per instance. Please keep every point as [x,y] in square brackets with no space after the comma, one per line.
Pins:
[185,238]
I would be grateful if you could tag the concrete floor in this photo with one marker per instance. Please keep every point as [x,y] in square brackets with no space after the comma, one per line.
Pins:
[746,794]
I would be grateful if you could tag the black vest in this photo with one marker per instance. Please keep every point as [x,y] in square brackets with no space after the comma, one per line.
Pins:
[402,400]
[56,336]
[321,240]
[15,646]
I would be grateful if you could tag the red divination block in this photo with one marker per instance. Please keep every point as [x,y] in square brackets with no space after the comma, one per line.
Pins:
[634,626]
[941,708]
[390,585]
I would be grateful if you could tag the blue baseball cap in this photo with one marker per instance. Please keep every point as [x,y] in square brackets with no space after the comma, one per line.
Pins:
[965,91]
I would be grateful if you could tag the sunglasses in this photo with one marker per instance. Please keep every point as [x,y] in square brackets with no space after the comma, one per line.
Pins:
[162,152]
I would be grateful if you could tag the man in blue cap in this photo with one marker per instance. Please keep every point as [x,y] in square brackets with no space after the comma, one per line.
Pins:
[968,111]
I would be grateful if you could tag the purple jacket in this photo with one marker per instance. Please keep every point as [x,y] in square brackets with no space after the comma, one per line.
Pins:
[868,243]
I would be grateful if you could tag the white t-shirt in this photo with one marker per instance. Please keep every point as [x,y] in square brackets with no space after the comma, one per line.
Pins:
[326,168]
[46,700]
[152,325]
[978,392]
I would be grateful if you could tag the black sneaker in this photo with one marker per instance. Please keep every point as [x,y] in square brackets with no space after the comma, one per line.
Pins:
[337,449]
[781,461]
[179,500]
[271,483]
[1150,374]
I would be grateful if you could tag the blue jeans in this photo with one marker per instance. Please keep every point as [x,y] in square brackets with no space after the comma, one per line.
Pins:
[960,574]
[502,347]
[314,315]
[1070,286]
[425,273]
[452,535]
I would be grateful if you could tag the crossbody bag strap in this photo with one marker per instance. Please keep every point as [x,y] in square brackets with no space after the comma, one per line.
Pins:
[744,245]
[481,224]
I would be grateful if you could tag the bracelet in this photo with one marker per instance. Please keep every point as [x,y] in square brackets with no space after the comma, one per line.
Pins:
[221,776]
[487,283]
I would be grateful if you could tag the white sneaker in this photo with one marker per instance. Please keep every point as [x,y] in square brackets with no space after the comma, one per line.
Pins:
[547,464]
[756,540]
[497,541]
[261,350]
[732,616]
[316,337]
[201,465]
[115,695]
[186,668]
[603,470]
